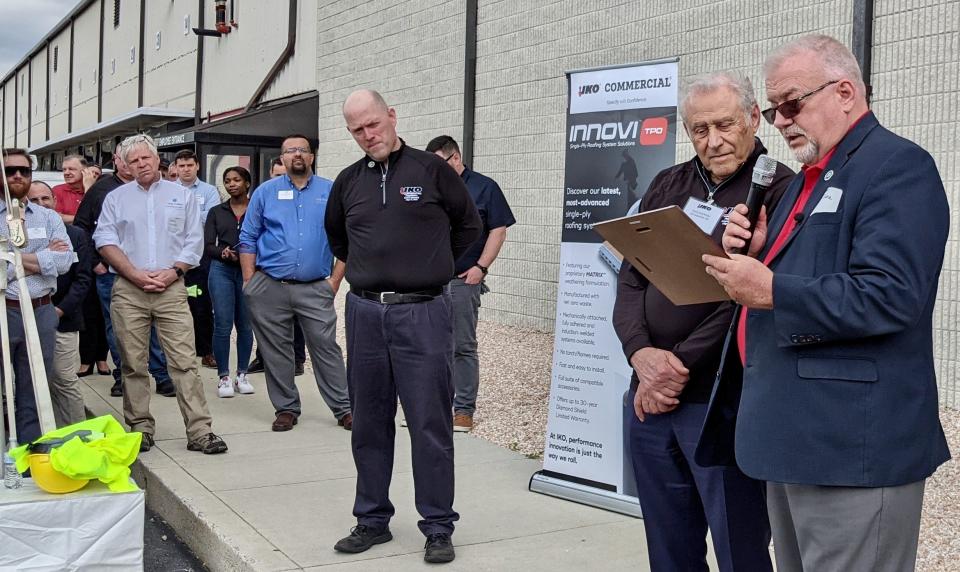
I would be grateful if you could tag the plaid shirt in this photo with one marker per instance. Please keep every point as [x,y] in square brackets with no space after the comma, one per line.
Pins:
[41,225]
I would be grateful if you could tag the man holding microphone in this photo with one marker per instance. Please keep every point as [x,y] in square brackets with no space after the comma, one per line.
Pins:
[838,406]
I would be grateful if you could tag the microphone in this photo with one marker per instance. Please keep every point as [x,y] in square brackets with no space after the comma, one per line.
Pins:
[763,173]
[798,218]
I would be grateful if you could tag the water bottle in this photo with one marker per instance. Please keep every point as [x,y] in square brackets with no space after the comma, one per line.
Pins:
[11,476]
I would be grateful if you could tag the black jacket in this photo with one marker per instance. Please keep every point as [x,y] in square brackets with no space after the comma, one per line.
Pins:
[400,225]
[89,210]
[221,230]
[72,287]
[644,317]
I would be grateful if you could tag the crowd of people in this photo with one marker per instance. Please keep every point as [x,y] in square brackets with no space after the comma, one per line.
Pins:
[804,409]
[149,264]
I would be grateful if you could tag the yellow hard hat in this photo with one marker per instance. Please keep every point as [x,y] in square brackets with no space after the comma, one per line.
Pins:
[49,479]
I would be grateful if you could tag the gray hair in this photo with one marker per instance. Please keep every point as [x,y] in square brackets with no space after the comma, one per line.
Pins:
[81,158]
[835,59]
[140,140]
[736,82]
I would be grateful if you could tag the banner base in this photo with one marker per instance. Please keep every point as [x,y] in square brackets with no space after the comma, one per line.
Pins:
[567,490]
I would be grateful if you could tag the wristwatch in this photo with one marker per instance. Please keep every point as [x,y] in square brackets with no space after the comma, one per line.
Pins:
[482,269]
[179,271]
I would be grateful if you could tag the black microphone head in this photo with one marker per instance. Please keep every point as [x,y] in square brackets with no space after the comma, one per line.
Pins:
[798,218]
[764,171]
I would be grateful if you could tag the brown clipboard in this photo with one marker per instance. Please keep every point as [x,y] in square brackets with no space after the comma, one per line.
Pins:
[666,247]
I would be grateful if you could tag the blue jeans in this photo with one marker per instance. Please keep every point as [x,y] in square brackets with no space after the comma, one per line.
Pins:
[158,362]
[226,292]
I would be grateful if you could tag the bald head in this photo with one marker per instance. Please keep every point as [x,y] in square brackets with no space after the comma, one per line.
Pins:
[372,123]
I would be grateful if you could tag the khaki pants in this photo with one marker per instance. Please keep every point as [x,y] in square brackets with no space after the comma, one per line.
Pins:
[64,393]
[133,311]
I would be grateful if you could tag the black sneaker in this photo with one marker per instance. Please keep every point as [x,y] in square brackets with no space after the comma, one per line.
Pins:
[361,538]
[439,548]
[209,444]
[298,368]
[146,442]
[166,389]
[256,366]
[117,389]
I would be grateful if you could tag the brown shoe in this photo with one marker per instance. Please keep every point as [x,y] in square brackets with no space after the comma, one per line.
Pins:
[346,422]
[284,422]
[209,361]
[462,423]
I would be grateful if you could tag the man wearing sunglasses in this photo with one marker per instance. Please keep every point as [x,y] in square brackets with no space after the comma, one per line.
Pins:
[838,407]
[47,254]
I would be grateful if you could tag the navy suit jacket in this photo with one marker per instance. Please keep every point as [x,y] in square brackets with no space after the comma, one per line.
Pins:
[839,385]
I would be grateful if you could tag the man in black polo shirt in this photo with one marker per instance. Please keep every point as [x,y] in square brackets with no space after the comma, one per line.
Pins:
[468,283]
[399,218]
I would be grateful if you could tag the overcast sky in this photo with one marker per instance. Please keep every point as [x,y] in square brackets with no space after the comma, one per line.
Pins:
[23,23]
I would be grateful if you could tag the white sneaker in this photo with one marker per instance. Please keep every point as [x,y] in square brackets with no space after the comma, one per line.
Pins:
[224,387]
[242,385]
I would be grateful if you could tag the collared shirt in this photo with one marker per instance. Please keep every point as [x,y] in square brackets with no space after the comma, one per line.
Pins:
[284,228]
[207,196]
[41,225]
[154,227]
[68,198]
[494,212]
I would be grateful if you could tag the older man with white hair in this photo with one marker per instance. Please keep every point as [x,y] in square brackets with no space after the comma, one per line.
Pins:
[675,350]
[149,233]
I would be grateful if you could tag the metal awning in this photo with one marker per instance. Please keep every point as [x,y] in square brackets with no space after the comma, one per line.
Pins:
[266,125]
[135,121]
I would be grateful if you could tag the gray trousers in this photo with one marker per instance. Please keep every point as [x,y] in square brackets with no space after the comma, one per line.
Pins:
[64,382]
[466,365]
[273,305]
[845,529]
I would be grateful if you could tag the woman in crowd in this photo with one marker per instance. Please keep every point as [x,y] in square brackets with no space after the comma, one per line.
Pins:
[221,235]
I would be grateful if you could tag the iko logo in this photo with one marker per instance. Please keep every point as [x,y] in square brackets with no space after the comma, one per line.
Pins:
[653,131]
[411,194]
[590,88]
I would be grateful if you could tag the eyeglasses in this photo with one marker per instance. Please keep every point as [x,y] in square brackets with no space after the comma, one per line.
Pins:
[11,170]
[790,108]
[295,150]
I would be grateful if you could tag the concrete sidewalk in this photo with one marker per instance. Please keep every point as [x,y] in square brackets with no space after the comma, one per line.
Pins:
[279,501]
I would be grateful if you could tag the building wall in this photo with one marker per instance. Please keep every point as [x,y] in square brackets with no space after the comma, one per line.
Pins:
[170,70]
[86,65]
[38,103]
[8,115]
[412,52]
[60,83]
[236,63]
[121,59]
[23,104]
[916,64]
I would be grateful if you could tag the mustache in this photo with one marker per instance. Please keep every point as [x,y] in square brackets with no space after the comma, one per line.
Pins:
[793,130]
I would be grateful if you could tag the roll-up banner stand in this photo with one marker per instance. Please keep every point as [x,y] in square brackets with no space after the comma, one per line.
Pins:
[621,132]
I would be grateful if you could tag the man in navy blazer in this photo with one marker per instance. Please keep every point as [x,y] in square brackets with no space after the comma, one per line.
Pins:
[838,407]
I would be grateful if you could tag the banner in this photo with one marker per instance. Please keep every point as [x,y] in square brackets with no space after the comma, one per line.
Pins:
[621,132]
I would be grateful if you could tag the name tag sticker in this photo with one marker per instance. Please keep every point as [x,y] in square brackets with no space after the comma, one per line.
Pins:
[706,216]
[830,201]
[38,232]
[286,195]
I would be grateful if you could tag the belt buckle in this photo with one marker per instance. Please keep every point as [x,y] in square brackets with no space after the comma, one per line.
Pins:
[383,295]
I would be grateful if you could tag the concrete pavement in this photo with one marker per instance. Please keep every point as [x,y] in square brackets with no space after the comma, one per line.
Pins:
[279,501]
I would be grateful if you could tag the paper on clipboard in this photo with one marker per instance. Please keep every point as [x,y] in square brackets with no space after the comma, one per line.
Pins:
[666,247]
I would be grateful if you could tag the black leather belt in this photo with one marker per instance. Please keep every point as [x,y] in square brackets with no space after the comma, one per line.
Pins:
[399,297]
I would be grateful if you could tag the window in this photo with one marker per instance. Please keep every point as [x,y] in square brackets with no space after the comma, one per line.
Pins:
[116,13]
[56,57]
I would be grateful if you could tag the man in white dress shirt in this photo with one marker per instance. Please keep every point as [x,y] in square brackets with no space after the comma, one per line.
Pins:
[150,234]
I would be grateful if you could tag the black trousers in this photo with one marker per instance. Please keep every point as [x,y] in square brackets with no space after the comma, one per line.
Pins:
[201,308]
[93,338]
[405,351]
[681,499]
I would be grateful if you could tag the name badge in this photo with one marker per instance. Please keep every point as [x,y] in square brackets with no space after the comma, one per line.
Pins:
[704,215]
[286,195]
[38,232]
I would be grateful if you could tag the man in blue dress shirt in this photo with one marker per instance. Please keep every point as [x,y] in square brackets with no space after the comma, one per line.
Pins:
[289,271]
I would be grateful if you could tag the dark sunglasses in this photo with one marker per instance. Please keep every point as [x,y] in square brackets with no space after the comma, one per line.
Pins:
[790,108]
[11,170]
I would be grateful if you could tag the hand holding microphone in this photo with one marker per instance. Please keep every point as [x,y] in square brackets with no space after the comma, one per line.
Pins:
[748,222]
